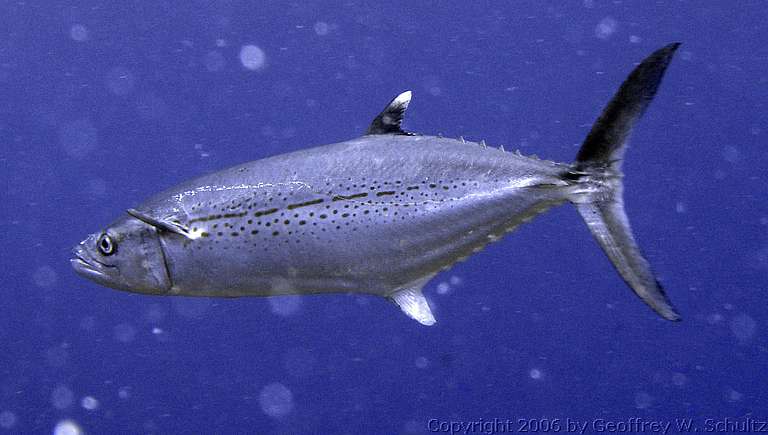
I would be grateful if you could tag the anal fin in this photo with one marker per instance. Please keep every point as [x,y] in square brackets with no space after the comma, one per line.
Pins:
[411,300]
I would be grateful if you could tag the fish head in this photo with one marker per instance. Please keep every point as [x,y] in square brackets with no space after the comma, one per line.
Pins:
[127,255]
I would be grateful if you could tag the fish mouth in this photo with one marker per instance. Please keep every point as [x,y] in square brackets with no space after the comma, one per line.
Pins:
[85,267]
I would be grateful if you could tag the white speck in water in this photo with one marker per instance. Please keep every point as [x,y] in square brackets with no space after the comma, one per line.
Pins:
[732,395]
[284,305]
[643,400]
[67,427]
[252,57]
[731,154]
[680,207]
[589,4]
[214,61]
[536,374]
[743,327]
[62,397]
[221,42]
[44,276]
[634,39]
[124,393]
[124,332]
[321,28]
[606,27]
[78,138]
[443,288]
[7,419]
[422,362]
[90,403]
[157,331]
[78,32]
[276,400]
[120,81]
[679,379]
[456,281]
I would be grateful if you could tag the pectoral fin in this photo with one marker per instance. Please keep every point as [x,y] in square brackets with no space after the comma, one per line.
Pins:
[414,304]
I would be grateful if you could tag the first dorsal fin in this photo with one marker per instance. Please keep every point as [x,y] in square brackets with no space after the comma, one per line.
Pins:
[390,119]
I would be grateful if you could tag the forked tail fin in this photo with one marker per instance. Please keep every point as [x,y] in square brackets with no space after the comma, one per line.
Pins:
[598,171]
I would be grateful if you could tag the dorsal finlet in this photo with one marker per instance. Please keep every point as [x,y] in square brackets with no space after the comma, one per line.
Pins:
[390,119]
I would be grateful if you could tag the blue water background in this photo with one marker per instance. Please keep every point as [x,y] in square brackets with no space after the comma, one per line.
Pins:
[106,103]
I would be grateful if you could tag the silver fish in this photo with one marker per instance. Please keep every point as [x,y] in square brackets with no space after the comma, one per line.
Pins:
[380,214]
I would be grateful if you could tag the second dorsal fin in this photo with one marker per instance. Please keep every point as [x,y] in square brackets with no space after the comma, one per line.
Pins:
[390,119]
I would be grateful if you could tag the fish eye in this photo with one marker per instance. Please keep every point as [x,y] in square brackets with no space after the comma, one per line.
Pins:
[106,245]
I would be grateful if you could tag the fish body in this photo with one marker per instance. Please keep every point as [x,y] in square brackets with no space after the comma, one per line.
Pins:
[380,214]
[370,215]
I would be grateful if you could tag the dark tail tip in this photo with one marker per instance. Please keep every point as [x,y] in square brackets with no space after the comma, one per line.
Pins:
[605,142]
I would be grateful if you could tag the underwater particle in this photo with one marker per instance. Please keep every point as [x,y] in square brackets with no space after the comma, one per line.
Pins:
[732,395]
[643,400]
[214,61]
[743,327]
[7,419]
[78,32]
[124,393]
[321,28]
[120,81]
[62,397]
[634,39]
[680,207]
[443,288]
[124,332]
[78,138]
[422,362]
[679,379]
[536,374]
[67,427]
[284,305]
[252,57]
[606,27]
[731,154]
[455,280]
[276,400]
[44,276]
[90,403]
